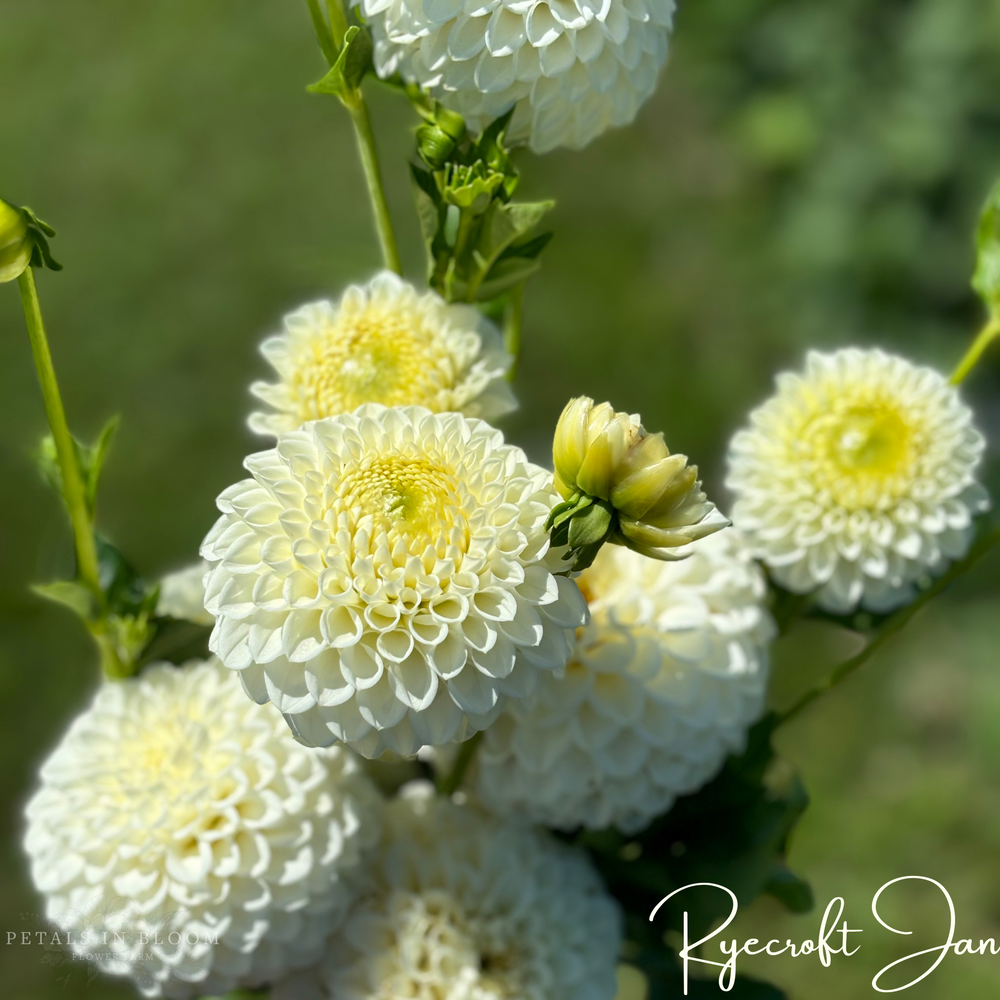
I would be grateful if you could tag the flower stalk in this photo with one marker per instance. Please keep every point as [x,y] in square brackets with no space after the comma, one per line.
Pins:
[892,625]
[986,336]
[348,51]
[368,152]
[72,479]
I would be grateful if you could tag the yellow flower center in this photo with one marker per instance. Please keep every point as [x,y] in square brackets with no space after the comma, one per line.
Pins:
[174,763]
[409,499]
[372,355]
[862,454]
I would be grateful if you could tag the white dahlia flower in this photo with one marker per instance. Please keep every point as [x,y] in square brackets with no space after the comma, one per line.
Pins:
[569,68]
[857,479]
[387,343]
[183,836]
[663,684]
[182,595]
[466,907]
[385,578]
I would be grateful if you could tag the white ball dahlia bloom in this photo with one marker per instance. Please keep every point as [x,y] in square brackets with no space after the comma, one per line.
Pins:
[857,479]
[386,579]
[384,342]
[664,682]
[183,836]
[466,907]
[569,68]
[182,595]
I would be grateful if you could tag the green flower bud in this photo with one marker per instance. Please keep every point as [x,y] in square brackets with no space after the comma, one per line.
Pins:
[451,123]
[16,243]
[607,458]
[434,145]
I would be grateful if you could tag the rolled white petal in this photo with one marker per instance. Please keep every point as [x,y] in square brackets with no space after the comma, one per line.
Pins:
[183,837]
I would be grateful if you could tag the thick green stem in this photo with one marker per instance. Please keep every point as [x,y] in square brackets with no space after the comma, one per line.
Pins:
[986,336]
[72,480]
[892,626]
[452,781]
[373,178]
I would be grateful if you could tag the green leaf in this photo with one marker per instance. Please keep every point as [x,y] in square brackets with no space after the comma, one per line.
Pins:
[126,593]
[986,278]
[505,275]
[70,594]
[529,249]
[353,61]
[92,460]
[427,198]
[176,641]
[733,832]
[788,888]
[89,458]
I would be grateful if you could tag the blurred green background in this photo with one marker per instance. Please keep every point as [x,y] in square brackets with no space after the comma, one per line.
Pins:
[808,174]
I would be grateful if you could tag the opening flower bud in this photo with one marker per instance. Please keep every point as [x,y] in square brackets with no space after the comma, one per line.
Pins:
[605,461]
[16,244]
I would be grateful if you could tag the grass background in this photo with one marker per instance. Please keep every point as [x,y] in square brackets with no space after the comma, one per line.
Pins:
[807,175]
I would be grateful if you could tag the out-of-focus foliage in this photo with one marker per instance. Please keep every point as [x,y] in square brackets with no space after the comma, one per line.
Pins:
[868,132]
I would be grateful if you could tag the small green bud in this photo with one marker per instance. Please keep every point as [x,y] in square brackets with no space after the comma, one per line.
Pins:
[16,243]
[434,145]
[451,123]
[470,188]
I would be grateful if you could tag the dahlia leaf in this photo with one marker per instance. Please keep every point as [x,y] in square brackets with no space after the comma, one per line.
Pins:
[986,278]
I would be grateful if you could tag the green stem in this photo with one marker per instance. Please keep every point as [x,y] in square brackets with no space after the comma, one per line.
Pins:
[986,336]
[72,480]
[338,21]
[893,625]
[322,29]
[373,178]
[452,781]
[512,329]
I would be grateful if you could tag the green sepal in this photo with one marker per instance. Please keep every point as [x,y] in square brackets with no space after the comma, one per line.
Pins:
[562,512]
[986,277]
[353,61]
[591,526]
[41,232]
